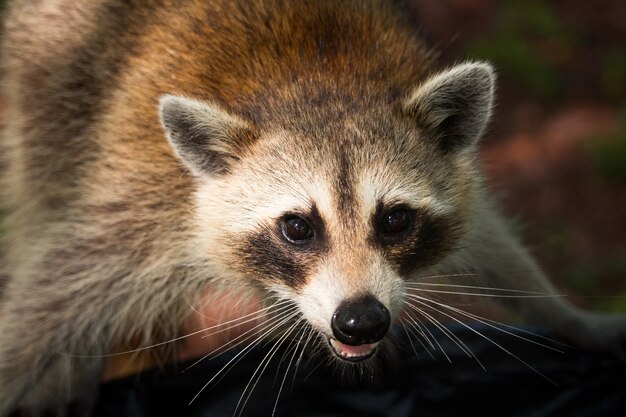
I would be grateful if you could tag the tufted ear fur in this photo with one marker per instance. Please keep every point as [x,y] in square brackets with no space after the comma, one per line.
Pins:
[454,106]
[206,138]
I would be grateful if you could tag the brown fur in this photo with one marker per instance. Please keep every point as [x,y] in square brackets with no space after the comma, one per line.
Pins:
[105,242]
[97,201]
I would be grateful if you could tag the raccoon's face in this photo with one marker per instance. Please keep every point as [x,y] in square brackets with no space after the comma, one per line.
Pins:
[337,219]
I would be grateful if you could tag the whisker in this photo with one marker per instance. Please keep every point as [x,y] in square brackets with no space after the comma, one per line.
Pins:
[419,300]
[409,338]
[292,348]
[285,306]
[431,335]
[320,346]
[521,330]
[199,313]
[490,295]
[487,323]
[288,351]
[433,284]
[175,339]
[469,274]
[306,342]
[260,370]
[421,329]
[439,326]
[249,349]
[243,352]
[447,332]
[266,324]
[476,274]
[457,340]
[518,329]
[408,330]
[293,356]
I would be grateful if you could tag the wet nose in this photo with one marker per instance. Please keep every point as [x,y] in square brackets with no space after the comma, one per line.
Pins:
[360,320]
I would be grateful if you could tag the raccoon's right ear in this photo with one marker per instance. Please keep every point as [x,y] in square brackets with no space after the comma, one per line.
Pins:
[206,138]
[454,106]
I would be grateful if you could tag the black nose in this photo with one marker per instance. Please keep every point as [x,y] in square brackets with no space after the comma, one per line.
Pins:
[360,320]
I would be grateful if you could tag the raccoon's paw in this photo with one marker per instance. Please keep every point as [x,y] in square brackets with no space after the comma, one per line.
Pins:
[601,333]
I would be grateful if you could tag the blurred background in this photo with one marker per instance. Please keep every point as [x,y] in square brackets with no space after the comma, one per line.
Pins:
[555,153]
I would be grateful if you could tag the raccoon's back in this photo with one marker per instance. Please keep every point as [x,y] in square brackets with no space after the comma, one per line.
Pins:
[81,83]
[70,67]
[60,60]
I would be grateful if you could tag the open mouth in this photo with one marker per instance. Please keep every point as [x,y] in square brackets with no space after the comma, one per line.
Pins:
[352,353]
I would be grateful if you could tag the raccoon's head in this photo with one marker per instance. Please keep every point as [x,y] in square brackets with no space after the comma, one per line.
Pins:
[336,212]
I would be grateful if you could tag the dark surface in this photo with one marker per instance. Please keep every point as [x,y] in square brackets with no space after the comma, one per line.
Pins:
[405,384]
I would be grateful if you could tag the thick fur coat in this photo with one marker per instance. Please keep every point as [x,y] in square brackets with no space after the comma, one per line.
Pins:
[151,148]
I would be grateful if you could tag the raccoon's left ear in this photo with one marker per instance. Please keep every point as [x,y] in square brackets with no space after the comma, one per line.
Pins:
[454,106]
[206,138]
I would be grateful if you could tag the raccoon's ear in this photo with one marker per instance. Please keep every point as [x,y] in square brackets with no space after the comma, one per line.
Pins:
[454,106]
[206,138]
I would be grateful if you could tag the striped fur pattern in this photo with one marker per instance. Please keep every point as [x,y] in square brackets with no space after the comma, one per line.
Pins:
[151,148]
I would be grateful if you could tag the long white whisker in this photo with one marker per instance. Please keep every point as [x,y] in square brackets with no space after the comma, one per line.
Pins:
[176,339]
[265,325]
[285,354]
[243,352]
[477,287]
[244,319]
[455,339]
[474,274]
[249,348]
[486,323]
[317,365]
[518,329]
[469,274]
[489,295]
[306,342]
[293,356]
[279,302]
[419,300]
[422,329]
[431,335]
[497,323]
[261,369]
[409,332]
[278,310]
[410,338]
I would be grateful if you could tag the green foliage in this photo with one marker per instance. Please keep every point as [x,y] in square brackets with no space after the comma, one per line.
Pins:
[528,43]
[592,280]
[608,156]
[613,75]
[583,278]
[555,238]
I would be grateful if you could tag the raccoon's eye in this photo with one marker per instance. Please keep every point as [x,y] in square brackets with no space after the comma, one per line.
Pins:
[397,222]
[296,230]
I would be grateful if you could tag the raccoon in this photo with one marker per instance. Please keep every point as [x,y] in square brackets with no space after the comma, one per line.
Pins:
[310,152]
